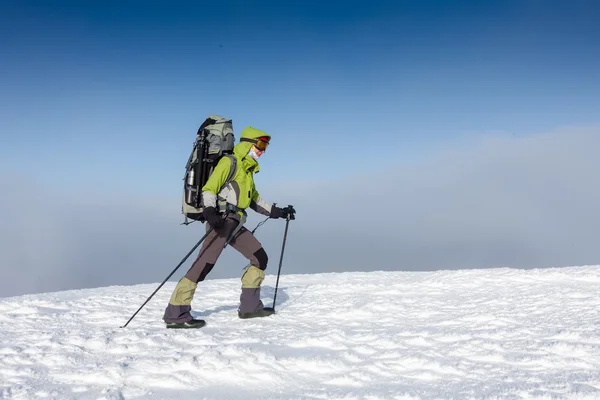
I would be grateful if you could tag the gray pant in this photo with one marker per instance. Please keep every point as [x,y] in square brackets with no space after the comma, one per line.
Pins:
[179,307]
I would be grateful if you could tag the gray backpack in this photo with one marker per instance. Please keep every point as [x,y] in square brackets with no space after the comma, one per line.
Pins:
[215,139]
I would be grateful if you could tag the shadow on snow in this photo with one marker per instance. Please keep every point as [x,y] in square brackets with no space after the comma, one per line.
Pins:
[267,294]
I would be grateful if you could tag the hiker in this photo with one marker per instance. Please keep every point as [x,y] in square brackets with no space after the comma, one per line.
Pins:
[227,218]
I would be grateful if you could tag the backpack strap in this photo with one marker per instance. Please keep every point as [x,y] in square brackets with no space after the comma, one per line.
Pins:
[232,170]
[221,203]
[230,207]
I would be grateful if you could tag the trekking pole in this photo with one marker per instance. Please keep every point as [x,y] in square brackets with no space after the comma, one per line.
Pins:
[171,274]
[287,223]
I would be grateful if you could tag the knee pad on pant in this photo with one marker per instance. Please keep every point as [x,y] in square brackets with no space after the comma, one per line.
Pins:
[261,258]
[253,277]
[205,271]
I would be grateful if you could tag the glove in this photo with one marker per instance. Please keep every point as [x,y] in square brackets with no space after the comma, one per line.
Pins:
[278,212]
[211,216]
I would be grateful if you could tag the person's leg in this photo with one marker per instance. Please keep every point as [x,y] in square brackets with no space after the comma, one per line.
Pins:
[179,307]
[247,244]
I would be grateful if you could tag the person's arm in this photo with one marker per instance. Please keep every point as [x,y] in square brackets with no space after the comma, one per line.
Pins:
[259,205]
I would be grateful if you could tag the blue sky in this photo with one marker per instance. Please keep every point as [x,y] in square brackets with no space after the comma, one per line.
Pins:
[106,96]
[133,81]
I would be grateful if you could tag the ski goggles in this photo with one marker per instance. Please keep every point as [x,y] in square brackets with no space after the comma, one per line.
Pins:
[261,143]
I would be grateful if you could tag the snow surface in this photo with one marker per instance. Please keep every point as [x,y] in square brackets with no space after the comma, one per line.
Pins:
[482,334]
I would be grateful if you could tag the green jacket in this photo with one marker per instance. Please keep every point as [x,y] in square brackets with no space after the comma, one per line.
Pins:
[241,191]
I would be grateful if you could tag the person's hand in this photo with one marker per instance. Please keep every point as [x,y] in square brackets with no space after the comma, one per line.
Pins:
[211,216]
[278,212]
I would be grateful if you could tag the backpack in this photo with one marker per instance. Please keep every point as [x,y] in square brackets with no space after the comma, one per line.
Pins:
[215,139]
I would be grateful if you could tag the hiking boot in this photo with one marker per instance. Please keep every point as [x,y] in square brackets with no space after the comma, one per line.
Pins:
[265,312]
[194,323]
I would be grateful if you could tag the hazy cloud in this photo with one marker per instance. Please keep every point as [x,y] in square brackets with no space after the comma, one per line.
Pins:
[491,201]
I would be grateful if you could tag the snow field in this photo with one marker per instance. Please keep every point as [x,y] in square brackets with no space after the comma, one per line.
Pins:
[481,334]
